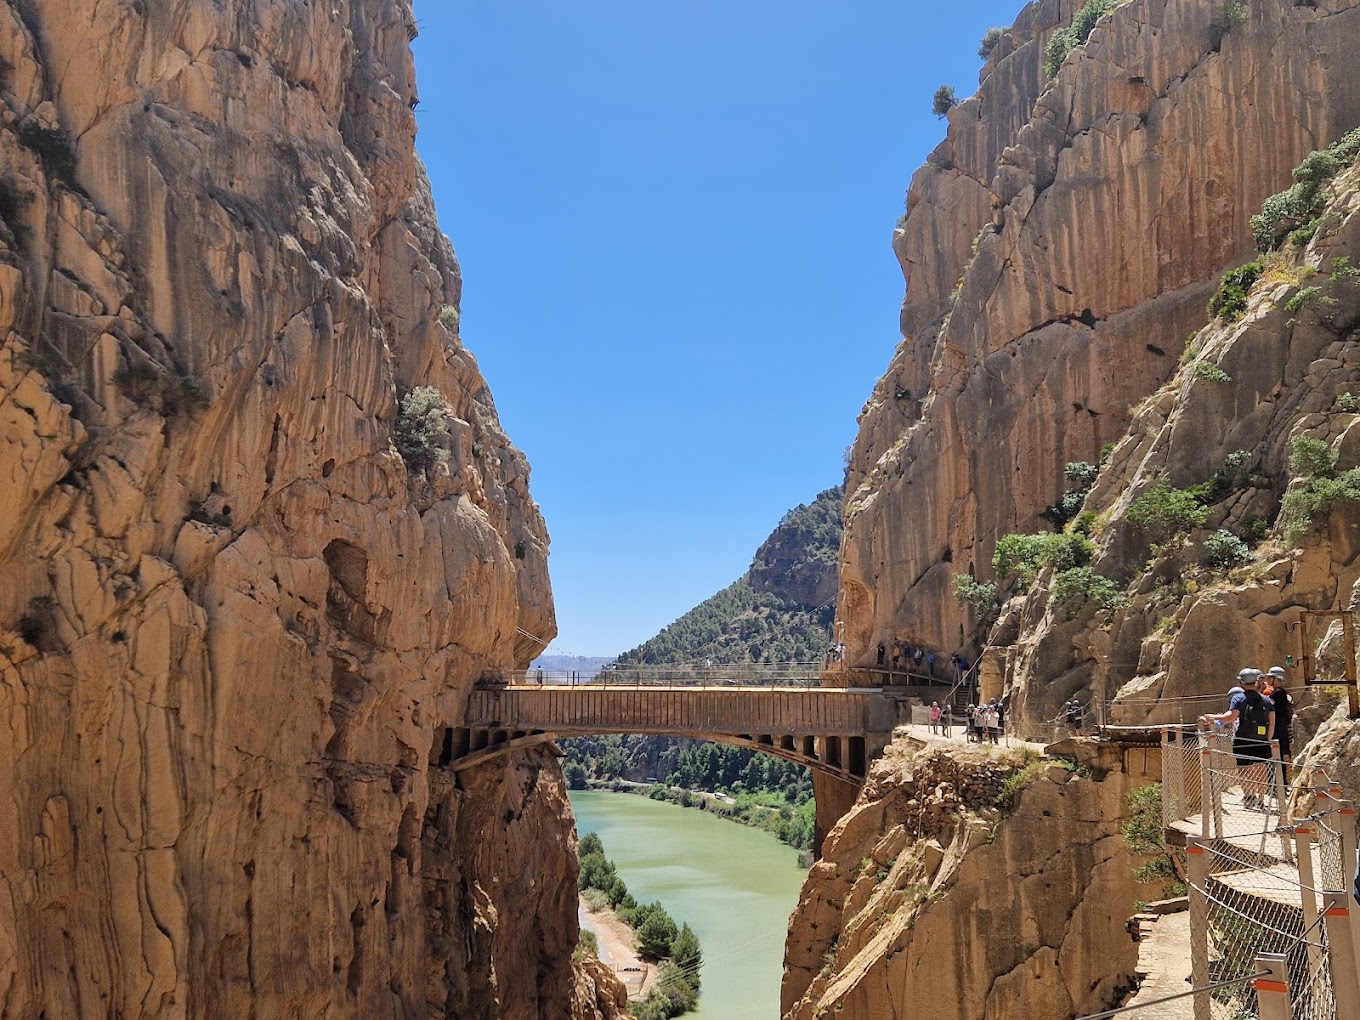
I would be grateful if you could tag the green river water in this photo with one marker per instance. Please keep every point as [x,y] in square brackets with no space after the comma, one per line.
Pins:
[735,886]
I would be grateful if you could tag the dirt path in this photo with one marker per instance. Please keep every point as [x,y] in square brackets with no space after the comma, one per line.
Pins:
[617,949]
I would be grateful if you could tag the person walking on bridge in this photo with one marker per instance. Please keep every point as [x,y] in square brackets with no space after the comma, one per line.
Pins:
[1254,717]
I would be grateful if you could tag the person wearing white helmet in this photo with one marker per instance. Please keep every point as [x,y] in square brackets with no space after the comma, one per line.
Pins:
[1254,717]
[1284,712]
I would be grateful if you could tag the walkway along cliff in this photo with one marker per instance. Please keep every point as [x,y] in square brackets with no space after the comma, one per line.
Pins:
[232,615]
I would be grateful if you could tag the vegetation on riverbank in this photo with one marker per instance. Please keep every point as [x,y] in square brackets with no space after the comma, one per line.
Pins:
[791,823]
[676,950]
[756,789]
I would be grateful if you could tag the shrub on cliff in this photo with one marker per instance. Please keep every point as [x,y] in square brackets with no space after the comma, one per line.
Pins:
[1078,587]
[990,38]
[1025,555]
[1223,550]
[945,100]
[1294,209]
[1321,490]
[1163,513]
[1311,458]
[1069,37]
[980,595]
[422,428]
[1229,302]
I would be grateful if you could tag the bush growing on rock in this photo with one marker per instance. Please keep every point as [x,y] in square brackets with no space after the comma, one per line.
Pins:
[1079,586]
[1229,302]
[990,38]
[1322,489]
[945,100]
[1224,550]
[1295,209]
[971,592]
[1025,555]
[422,428]
[1312,458]
[1163,513]
[1069,37]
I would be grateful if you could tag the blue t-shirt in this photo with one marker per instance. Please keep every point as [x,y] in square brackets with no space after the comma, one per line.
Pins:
[1239,704]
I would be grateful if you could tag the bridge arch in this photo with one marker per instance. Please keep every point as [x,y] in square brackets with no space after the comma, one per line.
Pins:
[833,731]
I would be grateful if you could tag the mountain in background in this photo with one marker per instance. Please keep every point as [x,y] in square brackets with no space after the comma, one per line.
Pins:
[780,610]
[585,665]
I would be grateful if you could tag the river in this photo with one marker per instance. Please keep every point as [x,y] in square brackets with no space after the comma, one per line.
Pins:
[735,886]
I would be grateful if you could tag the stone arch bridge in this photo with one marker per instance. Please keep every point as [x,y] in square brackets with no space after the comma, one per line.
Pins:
[835,731]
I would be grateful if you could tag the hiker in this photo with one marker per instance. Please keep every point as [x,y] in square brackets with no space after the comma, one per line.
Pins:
[935,717]
[1072,712]
[1284,713]
[896,654]
[969,722]
[945,711]
[993,722]
[882,651]
[1254,719]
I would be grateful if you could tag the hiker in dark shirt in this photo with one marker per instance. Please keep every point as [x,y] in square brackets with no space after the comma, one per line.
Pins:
[1255,719]
[1284,713]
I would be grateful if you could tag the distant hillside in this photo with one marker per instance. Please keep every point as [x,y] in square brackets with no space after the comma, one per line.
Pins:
[780,610]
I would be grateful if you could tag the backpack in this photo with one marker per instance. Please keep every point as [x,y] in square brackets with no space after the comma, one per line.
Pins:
[1255,717]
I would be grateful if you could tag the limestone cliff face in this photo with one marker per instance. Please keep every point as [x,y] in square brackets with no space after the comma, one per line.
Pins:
[232,621]
[931,901]
[1059,246]
[1245,393]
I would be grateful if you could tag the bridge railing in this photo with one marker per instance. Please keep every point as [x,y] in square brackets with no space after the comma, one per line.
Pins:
[756,674]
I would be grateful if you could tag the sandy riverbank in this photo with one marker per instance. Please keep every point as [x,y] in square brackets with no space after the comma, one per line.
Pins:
[618,948]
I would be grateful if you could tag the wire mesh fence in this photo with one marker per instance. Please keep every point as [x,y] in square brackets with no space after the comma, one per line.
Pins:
[1312,999]
[1251,905]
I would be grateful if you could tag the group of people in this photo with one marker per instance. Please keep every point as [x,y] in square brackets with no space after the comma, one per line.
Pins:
[902,657]
[1260,710]
[982,722]
[985,722]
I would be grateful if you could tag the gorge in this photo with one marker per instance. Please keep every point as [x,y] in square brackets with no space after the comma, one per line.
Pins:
[263,533]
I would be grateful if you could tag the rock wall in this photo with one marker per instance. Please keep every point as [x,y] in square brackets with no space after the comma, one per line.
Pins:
[930,900]
[1059,246]
[232,619]
[1245,392]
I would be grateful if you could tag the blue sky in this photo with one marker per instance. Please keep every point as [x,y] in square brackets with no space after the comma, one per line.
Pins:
[674,222]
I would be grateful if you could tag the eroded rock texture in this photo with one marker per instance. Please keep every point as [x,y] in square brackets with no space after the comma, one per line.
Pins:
[232,622]
[1247,391]
[929,900]
[1060,246]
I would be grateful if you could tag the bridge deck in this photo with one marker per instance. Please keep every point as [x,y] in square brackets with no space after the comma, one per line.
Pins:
[683,710]
[834,729]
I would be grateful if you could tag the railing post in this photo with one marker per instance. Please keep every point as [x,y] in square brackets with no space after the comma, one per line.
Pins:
[1206,789]
[1272,989]
[1277,766]
[1303,845]
[1178,749]
[1341,953]
[1347,815]
[1170,808]
[1198,860]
